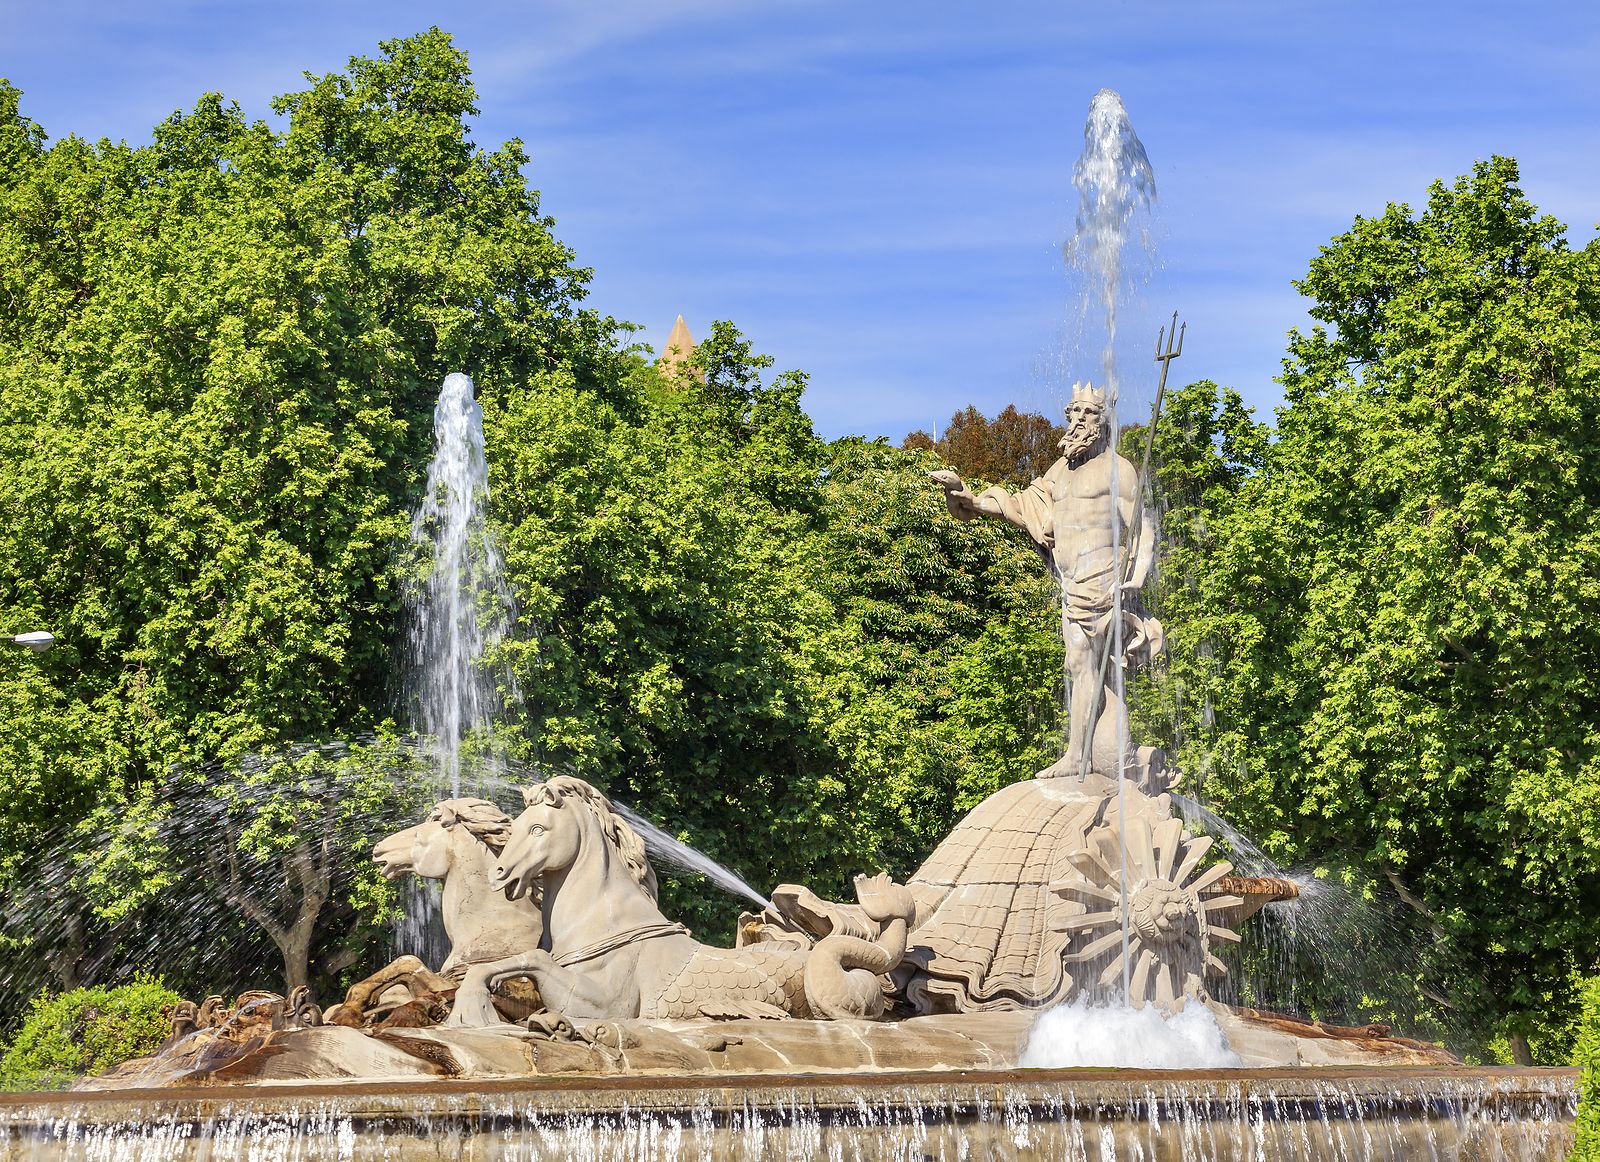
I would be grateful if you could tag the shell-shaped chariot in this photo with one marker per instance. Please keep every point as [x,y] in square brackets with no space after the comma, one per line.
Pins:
[1033,898]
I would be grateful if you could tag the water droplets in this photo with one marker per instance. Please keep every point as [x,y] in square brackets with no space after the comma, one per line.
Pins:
[1116,190]
[459,606]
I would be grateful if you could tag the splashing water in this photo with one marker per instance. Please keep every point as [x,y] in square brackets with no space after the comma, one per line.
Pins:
[671,850]
[1112,1034]
[1115,182]
[243,843]
[461,607]
[1345,955]
[1247,857]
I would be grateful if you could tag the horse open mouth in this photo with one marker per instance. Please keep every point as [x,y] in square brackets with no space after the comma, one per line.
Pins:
[392,864]
[514,888]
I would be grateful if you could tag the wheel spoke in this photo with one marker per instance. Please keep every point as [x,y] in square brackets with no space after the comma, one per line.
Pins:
[1095,948]
[1210,876]
[1139,985]
[1169,842]
[1198,847]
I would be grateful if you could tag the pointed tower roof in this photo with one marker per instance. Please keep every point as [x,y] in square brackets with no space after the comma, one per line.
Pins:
[677,350]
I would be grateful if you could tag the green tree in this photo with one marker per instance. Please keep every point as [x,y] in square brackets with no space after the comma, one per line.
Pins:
[282,838]
[1207,446]
[1586,1056]
[957,690]
[1398,596]
[653,539]
[752,637]
[217,357]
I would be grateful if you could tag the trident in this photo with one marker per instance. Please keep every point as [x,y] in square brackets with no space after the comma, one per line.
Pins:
[1166,351]
[1164,358]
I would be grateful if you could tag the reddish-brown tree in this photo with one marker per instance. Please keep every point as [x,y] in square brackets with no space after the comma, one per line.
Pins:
[1013,448]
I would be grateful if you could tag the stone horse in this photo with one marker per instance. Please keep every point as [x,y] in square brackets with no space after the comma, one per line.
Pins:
[609,953]
[460,843]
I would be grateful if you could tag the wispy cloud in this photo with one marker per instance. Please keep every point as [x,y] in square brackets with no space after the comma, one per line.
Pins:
[876,192]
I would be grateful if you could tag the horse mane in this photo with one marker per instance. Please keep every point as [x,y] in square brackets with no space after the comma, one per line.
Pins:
[613,827]
[481,818]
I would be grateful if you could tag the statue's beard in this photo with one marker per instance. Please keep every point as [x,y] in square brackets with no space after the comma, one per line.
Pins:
[1082,440]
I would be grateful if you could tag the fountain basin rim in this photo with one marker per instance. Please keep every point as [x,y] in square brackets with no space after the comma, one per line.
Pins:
[945,1112]
[1284,1081]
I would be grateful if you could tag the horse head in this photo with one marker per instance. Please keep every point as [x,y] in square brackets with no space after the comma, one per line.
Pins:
[561,816]
[429,848]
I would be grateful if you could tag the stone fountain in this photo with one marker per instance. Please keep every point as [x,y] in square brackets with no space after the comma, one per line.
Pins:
[571,1018]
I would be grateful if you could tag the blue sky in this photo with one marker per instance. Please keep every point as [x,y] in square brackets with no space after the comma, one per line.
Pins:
[877,192]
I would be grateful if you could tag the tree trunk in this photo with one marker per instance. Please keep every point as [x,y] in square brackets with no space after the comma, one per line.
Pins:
[295,948]
[302,868]
[1520,1052]
[65,960]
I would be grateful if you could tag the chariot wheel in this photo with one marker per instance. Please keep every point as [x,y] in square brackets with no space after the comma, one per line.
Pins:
[1168,902]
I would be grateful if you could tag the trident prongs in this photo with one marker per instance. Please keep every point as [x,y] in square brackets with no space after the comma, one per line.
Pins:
[1166,357]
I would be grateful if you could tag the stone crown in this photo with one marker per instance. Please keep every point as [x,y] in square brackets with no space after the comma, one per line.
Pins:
[1087,393]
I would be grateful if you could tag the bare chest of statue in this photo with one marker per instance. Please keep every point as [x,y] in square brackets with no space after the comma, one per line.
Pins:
[1089,517]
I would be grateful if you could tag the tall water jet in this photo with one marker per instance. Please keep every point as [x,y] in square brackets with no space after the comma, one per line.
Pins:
[460,606]
[1083,515]
[1115,184]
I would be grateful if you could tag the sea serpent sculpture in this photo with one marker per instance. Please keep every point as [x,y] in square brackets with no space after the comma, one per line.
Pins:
[609,953]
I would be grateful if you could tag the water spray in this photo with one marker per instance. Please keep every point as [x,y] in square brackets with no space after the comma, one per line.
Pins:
[461,606]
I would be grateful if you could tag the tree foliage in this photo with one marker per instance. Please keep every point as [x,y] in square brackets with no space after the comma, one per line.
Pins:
[218,353]
[957,627]
[216,356]
[1389,616]
[1013,448]
[1586,1057]
[725,609]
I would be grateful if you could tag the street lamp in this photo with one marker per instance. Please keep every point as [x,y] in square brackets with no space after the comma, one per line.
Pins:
[38,640]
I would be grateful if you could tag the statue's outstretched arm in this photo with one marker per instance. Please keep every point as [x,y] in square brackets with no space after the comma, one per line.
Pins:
[958,497]
[993,501]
